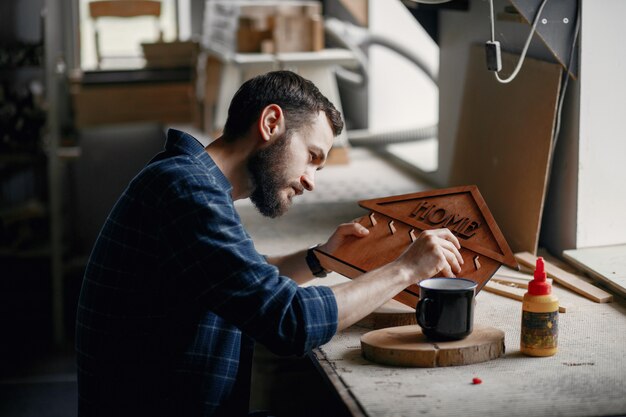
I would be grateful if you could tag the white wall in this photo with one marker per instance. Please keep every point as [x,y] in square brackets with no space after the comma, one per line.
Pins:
[602,147]
[399,94]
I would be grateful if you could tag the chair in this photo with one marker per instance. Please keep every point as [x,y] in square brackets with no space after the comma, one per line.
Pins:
[110,157]
[124,9]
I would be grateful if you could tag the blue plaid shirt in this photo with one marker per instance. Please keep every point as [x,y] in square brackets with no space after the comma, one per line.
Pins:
[175,293]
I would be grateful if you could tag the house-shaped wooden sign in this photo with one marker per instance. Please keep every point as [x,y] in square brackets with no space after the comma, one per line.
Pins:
[395,222]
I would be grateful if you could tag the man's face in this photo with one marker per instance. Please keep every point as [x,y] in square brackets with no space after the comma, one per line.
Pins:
[286,167]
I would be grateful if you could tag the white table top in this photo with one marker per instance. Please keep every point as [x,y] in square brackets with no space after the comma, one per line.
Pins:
[587,376]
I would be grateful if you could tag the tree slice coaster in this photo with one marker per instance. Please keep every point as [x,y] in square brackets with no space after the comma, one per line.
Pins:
[407,346]
[392,313]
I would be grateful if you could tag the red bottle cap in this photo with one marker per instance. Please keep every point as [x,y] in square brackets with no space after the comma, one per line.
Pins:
[539,285]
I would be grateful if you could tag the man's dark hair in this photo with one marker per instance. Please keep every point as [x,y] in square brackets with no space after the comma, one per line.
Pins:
[299,98]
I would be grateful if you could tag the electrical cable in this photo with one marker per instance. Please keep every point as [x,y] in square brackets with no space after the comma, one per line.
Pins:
[526,45]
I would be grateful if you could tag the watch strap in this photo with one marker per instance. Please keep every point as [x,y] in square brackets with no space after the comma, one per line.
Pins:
[314,263]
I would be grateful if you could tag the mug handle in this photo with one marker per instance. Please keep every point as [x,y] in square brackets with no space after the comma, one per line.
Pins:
[420,309]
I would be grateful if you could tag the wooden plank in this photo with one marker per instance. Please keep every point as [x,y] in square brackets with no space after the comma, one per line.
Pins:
[547,256]
[568,280]
[606,264]
[505,271]
[505,291]
[513,293]
[514,282]
[116,8]
[504,143]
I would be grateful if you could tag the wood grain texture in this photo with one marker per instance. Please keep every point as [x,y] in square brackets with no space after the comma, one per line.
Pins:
[567,279]
[504,142]
[407,346]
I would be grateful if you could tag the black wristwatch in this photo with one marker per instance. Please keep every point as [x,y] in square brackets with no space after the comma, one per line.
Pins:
[314,264]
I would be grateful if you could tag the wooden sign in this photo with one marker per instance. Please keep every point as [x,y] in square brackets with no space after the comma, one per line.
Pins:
[395,222]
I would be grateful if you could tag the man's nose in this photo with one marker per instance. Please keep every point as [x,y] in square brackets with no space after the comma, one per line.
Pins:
[307,182]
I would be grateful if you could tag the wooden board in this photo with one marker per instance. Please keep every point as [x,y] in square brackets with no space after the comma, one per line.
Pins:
[606,264]
[407,346]
[391,314]
[568,280]
[511,273]
[504,142]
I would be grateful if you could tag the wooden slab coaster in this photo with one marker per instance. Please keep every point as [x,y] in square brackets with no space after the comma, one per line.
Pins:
[407,346]
[392,313]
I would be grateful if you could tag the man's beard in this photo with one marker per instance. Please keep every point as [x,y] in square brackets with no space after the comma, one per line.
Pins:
[266,168]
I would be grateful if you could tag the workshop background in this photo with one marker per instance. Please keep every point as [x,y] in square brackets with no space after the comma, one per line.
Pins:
[89,89]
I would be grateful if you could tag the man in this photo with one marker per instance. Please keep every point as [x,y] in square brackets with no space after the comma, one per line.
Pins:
[175,293]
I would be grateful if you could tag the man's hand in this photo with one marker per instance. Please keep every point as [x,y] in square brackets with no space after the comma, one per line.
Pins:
[295,266]
[433,251]
[343,232]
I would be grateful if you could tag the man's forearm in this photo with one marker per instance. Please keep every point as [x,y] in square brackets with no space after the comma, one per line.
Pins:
[293,266]
[359,297]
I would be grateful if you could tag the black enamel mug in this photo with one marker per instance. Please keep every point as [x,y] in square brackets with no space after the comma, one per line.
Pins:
[446,308]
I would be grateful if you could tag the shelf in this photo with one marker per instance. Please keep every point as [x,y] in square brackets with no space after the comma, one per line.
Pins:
[21,73]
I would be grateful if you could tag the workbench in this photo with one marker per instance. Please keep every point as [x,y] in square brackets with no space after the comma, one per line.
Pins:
[587,376]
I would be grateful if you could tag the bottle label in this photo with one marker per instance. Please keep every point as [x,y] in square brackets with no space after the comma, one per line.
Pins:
[540,330]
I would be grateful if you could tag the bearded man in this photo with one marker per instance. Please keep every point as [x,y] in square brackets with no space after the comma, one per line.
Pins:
[175,294]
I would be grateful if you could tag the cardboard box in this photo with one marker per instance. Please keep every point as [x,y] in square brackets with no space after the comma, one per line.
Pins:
[298,33]
[249,26]
[170,54]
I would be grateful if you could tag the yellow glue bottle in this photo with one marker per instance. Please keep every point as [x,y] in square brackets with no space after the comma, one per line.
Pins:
[540,316]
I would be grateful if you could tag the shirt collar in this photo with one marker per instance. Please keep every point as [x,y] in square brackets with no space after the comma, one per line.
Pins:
[182,142]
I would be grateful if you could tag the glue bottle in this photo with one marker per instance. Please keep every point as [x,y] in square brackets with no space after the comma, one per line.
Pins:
[540,316]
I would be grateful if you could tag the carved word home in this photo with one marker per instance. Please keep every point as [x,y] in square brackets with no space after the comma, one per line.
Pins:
[438,216]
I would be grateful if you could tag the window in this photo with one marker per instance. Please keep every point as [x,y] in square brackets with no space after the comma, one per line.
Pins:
[121,38]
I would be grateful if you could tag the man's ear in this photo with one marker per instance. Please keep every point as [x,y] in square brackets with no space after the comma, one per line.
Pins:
[271,122]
